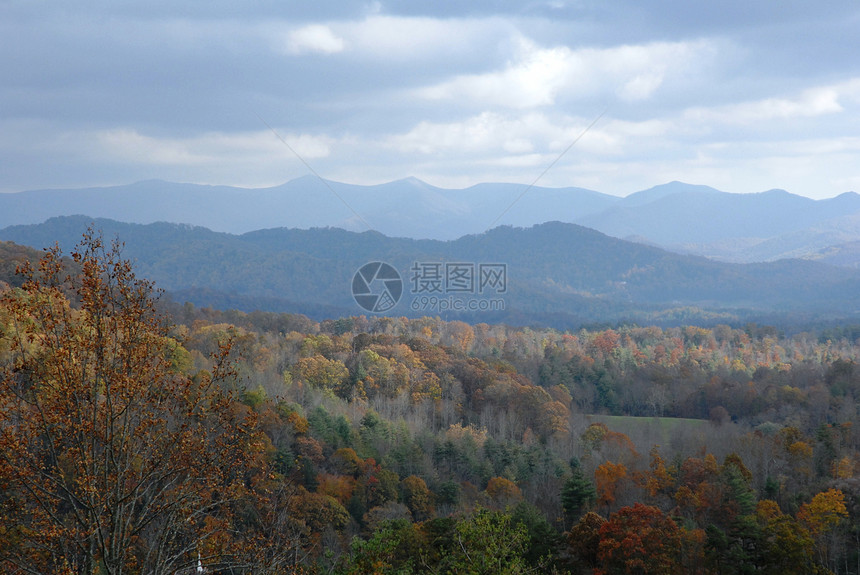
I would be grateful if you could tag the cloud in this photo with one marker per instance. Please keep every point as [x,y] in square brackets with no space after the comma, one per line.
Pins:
[450,92]
[823,111]
[810,103]
[402,38]
[378,37]
[541,76]
[314,38]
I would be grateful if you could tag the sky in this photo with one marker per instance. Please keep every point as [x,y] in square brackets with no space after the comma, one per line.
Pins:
[614,96]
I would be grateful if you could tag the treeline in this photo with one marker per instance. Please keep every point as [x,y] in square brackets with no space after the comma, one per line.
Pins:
[269,443]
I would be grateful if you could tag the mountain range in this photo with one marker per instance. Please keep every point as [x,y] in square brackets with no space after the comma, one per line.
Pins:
[680,217]
[558,274]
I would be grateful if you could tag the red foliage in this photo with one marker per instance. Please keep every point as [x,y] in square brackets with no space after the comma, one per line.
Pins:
[641,540]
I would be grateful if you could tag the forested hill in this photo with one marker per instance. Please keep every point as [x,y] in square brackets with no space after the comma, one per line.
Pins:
[558,274]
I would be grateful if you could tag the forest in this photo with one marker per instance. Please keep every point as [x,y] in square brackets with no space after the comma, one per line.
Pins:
[141,435]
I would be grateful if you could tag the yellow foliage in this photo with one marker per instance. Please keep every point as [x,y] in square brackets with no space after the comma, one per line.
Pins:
[766,510]
[844,468]
[800,449]
[458,432]
[824,512]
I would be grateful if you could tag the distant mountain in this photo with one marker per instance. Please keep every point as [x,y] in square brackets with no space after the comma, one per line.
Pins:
[684,218]
[663,191]
[558,274]
[404,208]
[807,243]
[696,217]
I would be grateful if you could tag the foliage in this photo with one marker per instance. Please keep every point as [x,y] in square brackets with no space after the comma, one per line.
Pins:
[110,459]
[487,543]
[639,540]
[608,476]
[584,538]
[824,512]
[577,493]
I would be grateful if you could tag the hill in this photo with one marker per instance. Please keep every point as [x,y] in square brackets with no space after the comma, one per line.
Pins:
[557,274]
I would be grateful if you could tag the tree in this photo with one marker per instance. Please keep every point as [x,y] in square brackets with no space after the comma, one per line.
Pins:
[417,497]
[503,492]
[608,476]
[825,511]
[659,479]
[787,547]
[639,540]
[324,373]
[823,514]
[542,539]
[584,538]
[110,461]
[487,543]
[577,493]
[383,553]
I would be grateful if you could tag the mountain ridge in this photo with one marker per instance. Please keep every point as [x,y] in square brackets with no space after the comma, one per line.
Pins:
[562,273]
[685,218]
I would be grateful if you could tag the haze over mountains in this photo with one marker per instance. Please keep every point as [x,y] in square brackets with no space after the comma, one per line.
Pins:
[680,217]
[404,208]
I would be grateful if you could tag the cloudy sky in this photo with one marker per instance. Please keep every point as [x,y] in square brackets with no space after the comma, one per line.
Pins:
[742,95]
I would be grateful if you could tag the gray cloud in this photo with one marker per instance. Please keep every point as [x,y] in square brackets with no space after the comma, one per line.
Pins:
[742,95]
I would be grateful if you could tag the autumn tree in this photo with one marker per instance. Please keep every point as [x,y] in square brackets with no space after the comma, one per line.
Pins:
[786,546]
[111,462]
[825,513]
[639,540]
[417,497]
[328,374]
[503,492]
[608,477]
[660,478]
[584,538]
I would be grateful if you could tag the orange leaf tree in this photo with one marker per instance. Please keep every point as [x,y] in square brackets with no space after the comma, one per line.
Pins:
[607,476]
[110,461]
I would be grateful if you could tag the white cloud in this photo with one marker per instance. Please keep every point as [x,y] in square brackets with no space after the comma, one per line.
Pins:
[812,102]
[540,76]
[385,38]
[314,38]
[398,38]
